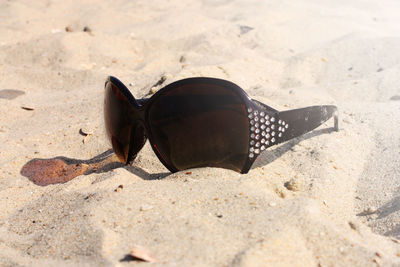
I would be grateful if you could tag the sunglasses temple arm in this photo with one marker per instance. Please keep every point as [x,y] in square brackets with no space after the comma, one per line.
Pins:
[304,120]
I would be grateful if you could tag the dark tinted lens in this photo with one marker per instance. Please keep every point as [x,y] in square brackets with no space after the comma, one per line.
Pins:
[200,125]
[117,109]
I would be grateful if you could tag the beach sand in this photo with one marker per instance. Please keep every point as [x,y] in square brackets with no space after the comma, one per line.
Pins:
[325,199]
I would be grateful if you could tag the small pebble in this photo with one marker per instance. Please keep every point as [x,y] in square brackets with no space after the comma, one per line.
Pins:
[153,90]
[160,82]
[68,29]
[119,188]
[29,108]
[145,207]
[280,193]
[142,253]
[293,185]
[272,204]
[353,226]
[85,131]
[86,138]
[87,29]
[53,31]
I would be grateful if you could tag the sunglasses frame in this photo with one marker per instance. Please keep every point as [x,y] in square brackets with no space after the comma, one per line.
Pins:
[261,118]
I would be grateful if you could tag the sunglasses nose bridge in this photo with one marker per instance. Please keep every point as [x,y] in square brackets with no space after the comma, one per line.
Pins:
[138,139]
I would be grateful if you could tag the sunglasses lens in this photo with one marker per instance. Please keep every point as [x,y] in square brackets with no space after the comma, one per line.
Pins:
[118,124]
[198,125]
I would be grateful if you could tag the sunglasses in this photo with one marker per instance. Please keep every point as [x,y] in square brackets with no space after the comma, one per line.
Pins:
[202,122]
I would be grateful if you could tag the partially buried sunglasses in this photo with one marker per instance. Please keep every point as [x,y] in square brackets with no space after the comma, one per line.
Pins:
[199,122]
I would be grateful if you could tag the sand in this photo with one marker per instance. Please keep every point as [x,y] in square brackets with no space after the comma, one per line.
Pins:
[343,208]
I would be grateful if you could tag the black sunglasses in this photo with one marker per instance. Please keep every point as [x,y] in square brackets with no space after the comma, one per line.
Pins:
[199,122]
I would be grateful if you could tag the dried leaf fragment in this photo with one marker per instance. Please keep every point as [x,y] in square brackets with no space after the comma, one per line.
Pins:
[142,253]
[52,171]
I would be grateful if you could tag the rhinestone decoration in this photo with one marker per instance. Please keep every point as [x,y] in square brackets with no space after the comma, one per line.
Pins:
[265,130]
